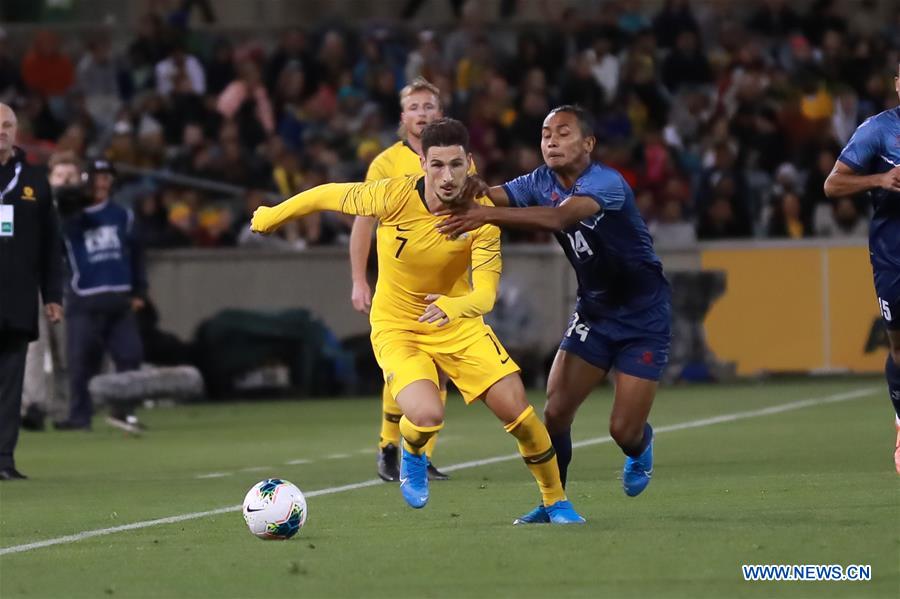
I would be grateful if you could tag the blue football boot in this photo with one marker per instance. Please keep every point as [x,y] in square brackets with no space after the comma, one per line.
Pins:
[414,478]
[637,472]
[562,512]
[538,515]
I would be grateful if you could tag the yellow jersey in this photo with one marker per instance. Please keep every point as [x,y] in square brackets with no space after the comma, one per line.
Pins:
[414,259]
[396,161]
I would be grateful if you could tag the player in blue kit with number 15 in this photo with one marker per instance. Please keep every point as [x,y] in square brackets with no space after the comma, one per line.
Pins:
[623,312]
[871,163]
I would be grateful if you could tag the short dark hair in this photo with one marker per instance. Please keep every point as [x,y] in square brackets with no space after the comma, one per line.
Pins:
[585,121]
[443,133]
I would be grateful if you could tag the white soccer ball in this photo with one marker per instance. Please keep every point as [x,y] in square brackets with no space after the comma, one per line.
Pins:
[274,509]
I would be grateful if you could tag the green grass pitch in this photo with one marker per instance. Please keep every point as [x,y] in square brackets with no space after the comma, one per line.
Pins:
[809,485]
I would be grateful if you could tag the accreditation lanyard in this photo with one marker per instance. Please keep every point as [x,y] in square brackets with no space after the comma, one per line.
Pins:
[6,210]
[13,182]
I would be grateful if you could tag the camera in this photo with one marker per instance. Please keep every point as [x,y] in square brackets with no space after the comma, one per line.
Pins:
[72,198]
[75,197]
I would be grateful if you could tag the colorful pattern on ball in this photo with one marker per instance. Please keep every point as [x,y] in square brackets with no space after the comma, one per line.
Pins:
[268,488]
[287,528]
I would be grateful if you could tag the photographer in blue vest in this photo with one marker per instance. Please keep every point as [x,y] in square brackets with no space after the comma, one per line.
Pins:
[107,283]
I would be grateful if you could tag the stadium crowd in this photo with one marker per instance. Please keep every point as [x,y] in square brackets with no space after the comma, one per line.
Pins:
[726,126]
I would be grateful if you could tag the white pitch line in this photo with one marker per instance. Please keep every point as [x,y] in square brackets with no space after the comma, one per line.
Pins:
[337,456]
[778,409]
[214,475]
[298,462]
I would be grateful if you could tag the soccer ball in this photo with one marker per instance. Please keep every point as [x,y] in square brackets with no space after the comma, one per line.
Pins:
[274,509]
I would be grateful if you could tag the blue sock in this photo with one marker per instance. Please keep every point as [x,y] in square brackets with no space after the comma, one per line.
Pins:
[638,449]
[892,373]
[562,443]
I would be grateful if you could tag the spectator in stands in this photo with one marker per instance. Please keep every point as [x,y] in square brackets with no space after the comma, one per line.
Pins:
[774,18]
[786,219]
[579,85]
[675,17]
[237,164]
[97,78]
[332,59]
[46,70]
[40,119]
[145,52]
[152,222]
[10,79]
[671,230]
[471,29]
[605,67]
[686,64]
[290,95]
[292,52]
[122,147]
[220,69]
[180,72]
[723,217]
[818,207]
[426,59]
[181,225]
[847,219]
[245,101]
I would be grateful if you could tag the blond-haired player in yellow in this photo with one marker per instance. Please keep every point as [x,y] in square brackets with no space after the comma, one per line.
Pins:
[420,104]
[428,305]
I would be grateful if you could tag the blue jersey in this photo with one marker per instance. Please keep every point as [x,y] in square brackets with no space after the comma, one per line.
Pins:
[875,148]
[619,274]
[103,253]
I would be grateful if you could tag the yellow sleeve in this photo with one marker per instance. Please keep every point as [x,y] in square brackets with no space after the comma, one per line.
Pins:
[377,169]
[363,199]
[486,267]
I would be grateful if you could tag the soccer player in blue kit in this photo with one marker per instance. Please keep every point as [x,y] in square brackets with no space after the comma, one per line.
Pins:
[623,312]
[871,163]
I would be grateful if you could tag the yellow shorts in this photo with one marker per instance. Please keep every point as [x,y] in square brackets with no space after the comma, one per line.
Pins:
[474,365]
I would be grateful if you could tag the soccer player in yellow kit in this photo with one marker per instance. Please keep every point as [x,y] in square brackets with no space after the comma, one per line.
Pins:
[420,105]
[428,307]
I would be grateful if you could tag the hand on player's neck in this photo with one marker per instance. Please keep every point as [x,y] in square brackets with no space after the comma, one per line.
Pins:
[432,201]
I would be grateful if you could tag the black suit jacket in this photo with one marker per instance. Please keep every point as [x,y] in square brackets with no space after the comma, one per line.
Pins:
[30,260]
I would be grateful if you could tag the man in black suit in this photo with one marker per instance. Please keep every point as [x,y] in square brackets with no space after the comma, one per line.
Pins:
[30,263]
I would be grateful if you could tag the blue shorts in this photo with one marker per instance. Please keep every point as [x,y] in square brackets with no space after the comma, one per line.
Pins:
[887,287]
[638,347]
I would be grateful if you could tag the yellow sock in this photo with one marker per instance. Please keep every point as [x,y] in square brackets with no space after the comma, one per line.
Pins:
[429,446]
[390,420]
[415,437]
[538,453]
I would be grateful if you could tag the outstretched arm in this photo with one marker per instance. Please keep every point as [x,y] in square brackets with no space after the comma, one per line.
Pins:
[349,198]
[569,212]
